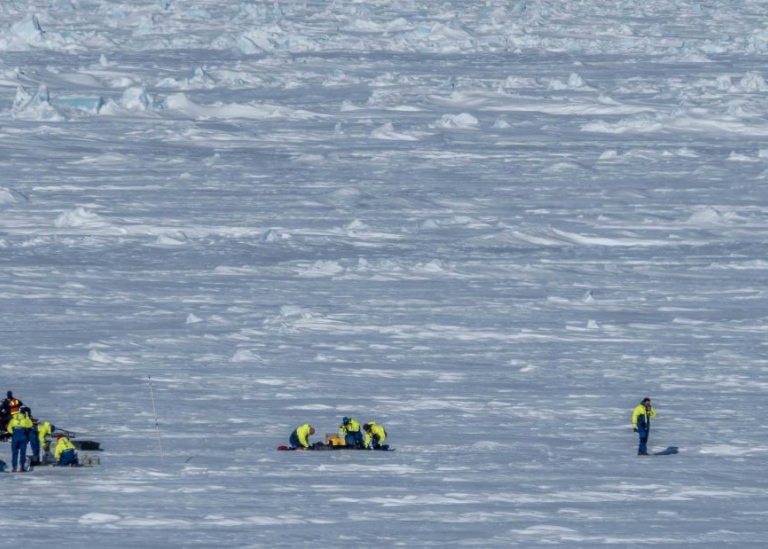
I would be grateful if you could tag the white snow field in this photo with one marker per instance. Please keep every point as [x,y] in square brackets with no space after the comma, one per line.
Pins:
[491,226]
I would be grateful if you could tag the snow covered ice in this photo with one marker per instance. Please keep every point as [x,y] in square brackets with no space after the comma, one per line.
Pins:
[491,226]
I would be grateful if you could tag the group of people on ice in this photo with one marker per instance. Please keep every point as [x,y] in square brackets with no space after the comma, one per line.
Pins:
[370,436]
[23,429]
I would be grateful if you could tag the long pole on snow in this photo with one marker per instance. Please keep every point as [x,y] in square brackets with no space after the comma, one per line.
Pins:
[157,425]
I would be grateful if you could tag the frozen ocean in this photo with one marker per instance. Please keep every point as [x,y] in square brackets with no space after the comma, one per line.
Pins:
[492,226]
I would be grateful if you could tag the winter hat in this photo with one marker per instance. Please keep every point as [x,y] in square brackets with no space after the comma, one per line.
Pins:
[9,394]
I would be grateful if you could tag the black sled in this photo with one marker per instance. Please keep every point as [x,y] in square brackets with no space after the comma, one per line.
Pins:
[321,447]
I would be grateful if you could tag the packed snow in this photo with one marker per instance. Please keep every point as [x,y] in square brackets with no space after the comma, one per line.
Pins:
[491,226]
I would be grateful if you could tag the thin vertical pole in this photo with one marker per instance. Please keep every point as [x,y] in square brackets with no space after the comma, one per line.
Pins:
[157,426]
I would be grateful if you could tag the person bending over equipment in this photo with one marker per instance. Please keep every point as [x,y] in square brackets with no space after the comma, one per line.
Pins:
[300,437]
[375,435]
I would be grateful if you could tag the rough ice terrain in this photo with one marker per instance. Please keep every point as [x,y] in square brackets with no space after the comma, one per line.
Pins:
[491,226]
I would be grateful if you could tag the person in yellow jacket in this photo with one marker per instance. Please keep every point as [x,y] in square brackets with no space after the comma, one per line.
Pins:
[34,435]
[641,423]
[375,435]
[44,429]
[65,453]
[350,430]
[300,436]
[19,427]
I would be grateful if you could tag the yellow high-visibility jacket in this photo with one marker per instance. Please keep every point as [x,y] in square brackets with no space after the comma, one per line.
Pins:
[351,427]
[303,433]
[62,445]
[376,429]
[642,417]
[19,421]
[43,429]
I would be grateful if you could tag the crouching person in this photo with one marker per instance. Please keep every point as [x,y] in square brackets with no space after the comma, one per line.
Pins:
[375,435]
[350,430]
[65,453]
[299,438]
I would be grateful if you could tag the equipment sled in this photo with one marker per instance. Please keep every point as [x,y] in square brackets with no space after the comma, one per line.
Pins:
[321,447]
[80,444]
[48,461]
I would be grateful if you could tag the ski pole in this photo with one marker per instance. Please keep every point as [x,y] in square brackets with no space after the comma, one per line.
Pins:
[157,426]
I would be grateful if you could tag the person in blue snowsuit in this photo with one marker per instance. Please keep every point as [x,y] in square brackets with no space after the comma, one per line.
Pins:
[65,453]
[34,435]
[350,430]
[641,422]
[19,427]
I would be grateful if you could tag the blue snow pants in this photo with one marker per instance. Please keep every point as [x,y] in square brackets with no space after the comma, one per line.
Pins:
[354,439]
[19,447]
[375,444]
[34,443]
[67,457]
[294,440]
[643,433]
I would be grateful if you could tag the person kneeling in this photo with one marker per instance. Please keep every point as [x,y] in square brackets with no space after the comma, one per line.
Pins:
[65,452]
[350,430]
[299,439]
